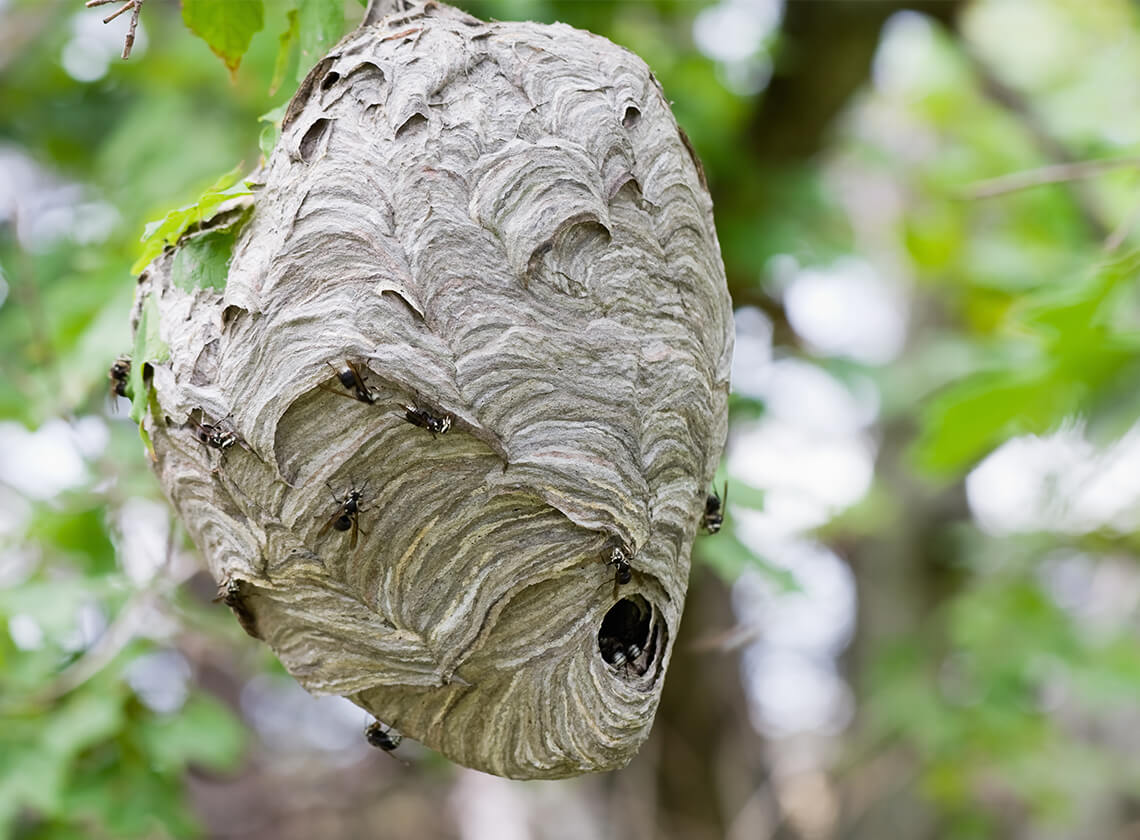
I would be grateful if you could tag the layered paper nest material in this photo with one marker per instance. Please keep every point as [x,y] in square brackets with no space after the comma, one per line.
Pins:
[499,224]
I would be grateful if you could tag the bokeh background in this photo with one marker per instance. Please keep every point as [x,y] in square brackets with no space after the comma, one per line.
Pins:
[921,617]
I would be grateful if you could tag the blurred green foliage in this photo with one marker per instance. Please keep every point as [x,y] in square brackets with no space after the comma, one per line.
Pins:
[1056,352]
[1022,319]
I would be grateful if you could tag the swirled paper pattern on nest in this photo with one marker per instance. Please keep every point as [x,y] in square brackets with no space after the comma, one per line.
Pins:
[498,224]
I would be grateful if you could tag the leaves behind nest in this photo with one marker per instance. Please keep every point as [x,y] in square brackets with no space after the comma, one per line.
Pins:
[171,228]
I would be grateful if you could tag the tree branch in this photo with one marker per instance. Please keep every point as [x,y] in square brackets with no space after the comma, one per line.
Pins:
[1087,203]
[1053,174]
[134,7]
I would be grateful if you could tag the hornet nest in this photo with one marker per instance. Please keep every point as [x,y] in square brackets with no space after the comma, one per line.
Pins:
[444,429]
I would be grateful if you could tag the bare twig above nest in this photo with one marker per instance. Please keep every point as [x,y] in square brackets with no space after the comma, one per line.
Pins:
[132,6]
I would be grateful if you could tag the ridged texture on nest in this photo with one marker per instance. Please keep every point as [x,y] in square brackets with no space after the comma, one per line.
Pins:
[501,223]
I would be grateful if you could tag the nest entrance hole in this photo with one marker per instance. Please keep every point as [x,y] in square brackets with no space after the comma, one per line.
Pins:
[627,639]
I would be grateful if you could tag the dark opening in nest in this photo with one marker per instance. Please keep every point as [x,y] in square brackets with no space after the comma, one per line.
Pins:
[628,637]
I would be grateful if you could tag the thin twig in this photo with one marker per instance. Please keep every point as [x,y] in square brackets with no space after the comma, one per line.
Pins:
[1087,202]
[1054,174]
[134,7]
[726,641]
[130,4]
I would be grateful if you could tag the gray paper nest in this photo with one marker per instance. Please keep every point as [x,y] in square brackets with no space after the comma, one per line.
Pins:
[499,224]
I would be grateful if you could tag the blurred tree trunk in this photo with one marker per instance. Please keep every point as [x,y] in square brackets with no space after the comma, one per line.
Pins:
[826,50]
[825,54]
[709,760]
[903,574]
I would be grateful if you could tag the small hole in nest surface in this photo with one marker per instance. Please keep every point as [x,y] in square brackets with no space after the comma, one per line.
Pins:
[631,117]
[627,638]
[411,125]
[308,146]
[330,79]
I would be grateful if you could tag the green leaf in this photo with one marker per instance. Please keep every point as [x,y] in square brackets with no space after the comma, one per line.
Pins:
[272,129]
[157,235]
[321,24]
[204,732]
[970,418]
[742,407]
[1069,341]
[53,604]
[203,262]
[29,778]
[161,234]
[284,52]
[144,436]
[35,762]
[227,26]
[149,347]
[80,533]
[93,716]
[125,797]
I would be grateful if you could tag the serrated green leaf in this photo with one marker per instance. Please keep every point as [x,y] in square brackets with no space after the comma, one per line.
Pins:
[227,26]
[203,262]
[284,52]
[321,23]
[157,235]
[225,181]
[209,203]
[167,231]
